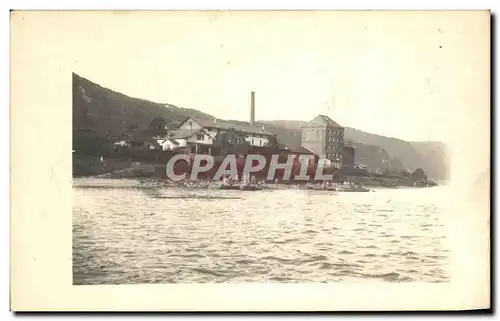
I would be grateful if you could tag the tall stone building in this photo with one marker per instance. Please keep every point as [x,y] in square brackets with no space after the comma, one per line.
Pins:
[348,156]
[324,137]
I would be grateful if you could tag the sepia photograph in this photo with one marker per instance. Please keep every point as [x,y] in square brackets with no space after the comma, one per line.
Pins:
[266,147]
[377,217]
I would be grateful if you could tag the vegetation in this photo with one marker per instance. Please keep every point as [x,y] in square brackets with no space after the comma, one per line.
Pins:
[90,143]
[158,127]
[232,142]
[419,174]
[272,142]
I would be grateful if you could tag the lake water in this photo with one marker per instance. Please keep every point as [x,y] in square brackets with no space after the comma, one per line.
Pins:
[123,234]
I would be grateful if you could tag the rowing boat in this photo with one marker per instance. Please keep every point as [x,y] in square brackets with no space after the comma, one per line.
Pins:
[240,187]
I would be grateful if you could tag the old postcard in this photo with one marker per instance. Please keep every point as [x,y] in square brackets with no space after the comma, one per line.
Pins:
[250,160]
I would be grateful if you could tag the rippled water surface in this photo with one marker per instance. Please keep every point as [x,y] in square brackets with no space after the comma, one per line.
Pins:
[124,234]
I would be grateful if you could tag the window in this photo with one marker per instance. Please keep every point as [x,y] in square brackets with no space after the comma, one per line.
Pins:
[200,137]
[253,142]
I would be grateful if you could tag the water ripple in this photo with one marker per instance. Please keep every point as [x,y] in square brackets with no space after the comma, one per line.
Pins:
[126,235]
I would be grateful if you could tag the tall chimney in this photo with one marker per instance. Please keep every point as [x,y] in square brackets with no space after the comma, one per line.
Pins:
[252,108]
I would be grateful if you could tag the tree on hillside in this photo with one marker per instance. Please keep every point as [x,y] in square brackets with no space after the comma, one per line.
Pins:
[89,143]
[397,165]
[272,142]
[405,173]
[134,135]
[232,142]
[158,127]
[151,143]
[419,174]
[129,132]
[131,127]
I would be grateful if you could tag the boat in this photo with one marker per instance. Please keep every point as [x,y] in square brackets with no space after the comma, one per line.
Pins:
[250,188]
[240,187]
[320,188]
[231,187]
[351,188]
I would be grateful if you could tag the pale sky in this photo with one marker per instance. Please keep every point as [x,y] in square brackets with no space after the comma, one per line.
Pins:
[396,74]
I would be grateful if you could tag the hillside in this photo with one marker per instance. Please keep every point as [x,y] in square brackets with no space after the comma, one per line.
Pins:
[434,157]
[101,115]
[110,113]
[431,156]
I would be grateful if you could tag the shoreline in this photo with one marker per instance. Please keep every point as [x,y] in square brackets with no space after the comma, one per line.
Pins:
[137,171]
[205,184]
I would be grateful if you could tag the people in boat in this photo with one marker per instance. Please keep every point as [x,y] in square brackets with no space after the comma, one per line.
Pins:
[245,181]
[229,180]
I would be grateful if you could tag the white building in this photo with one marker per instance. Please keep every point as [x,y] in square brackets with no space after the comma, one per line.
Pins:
[195,134]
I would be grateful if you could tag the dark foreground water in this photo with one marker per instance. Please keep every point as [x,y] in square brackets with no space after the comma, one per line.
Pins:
[123,234]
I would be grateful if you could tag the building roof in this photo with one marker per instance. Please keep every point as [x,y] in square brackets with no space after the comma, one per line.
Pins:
[184,133]
[173,141]
[227,124]
[304,150]
[296,149]
[322,121]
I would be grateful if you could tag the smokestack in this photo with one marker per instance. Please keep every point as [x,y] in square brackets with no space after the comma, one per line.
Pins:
[252,108]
